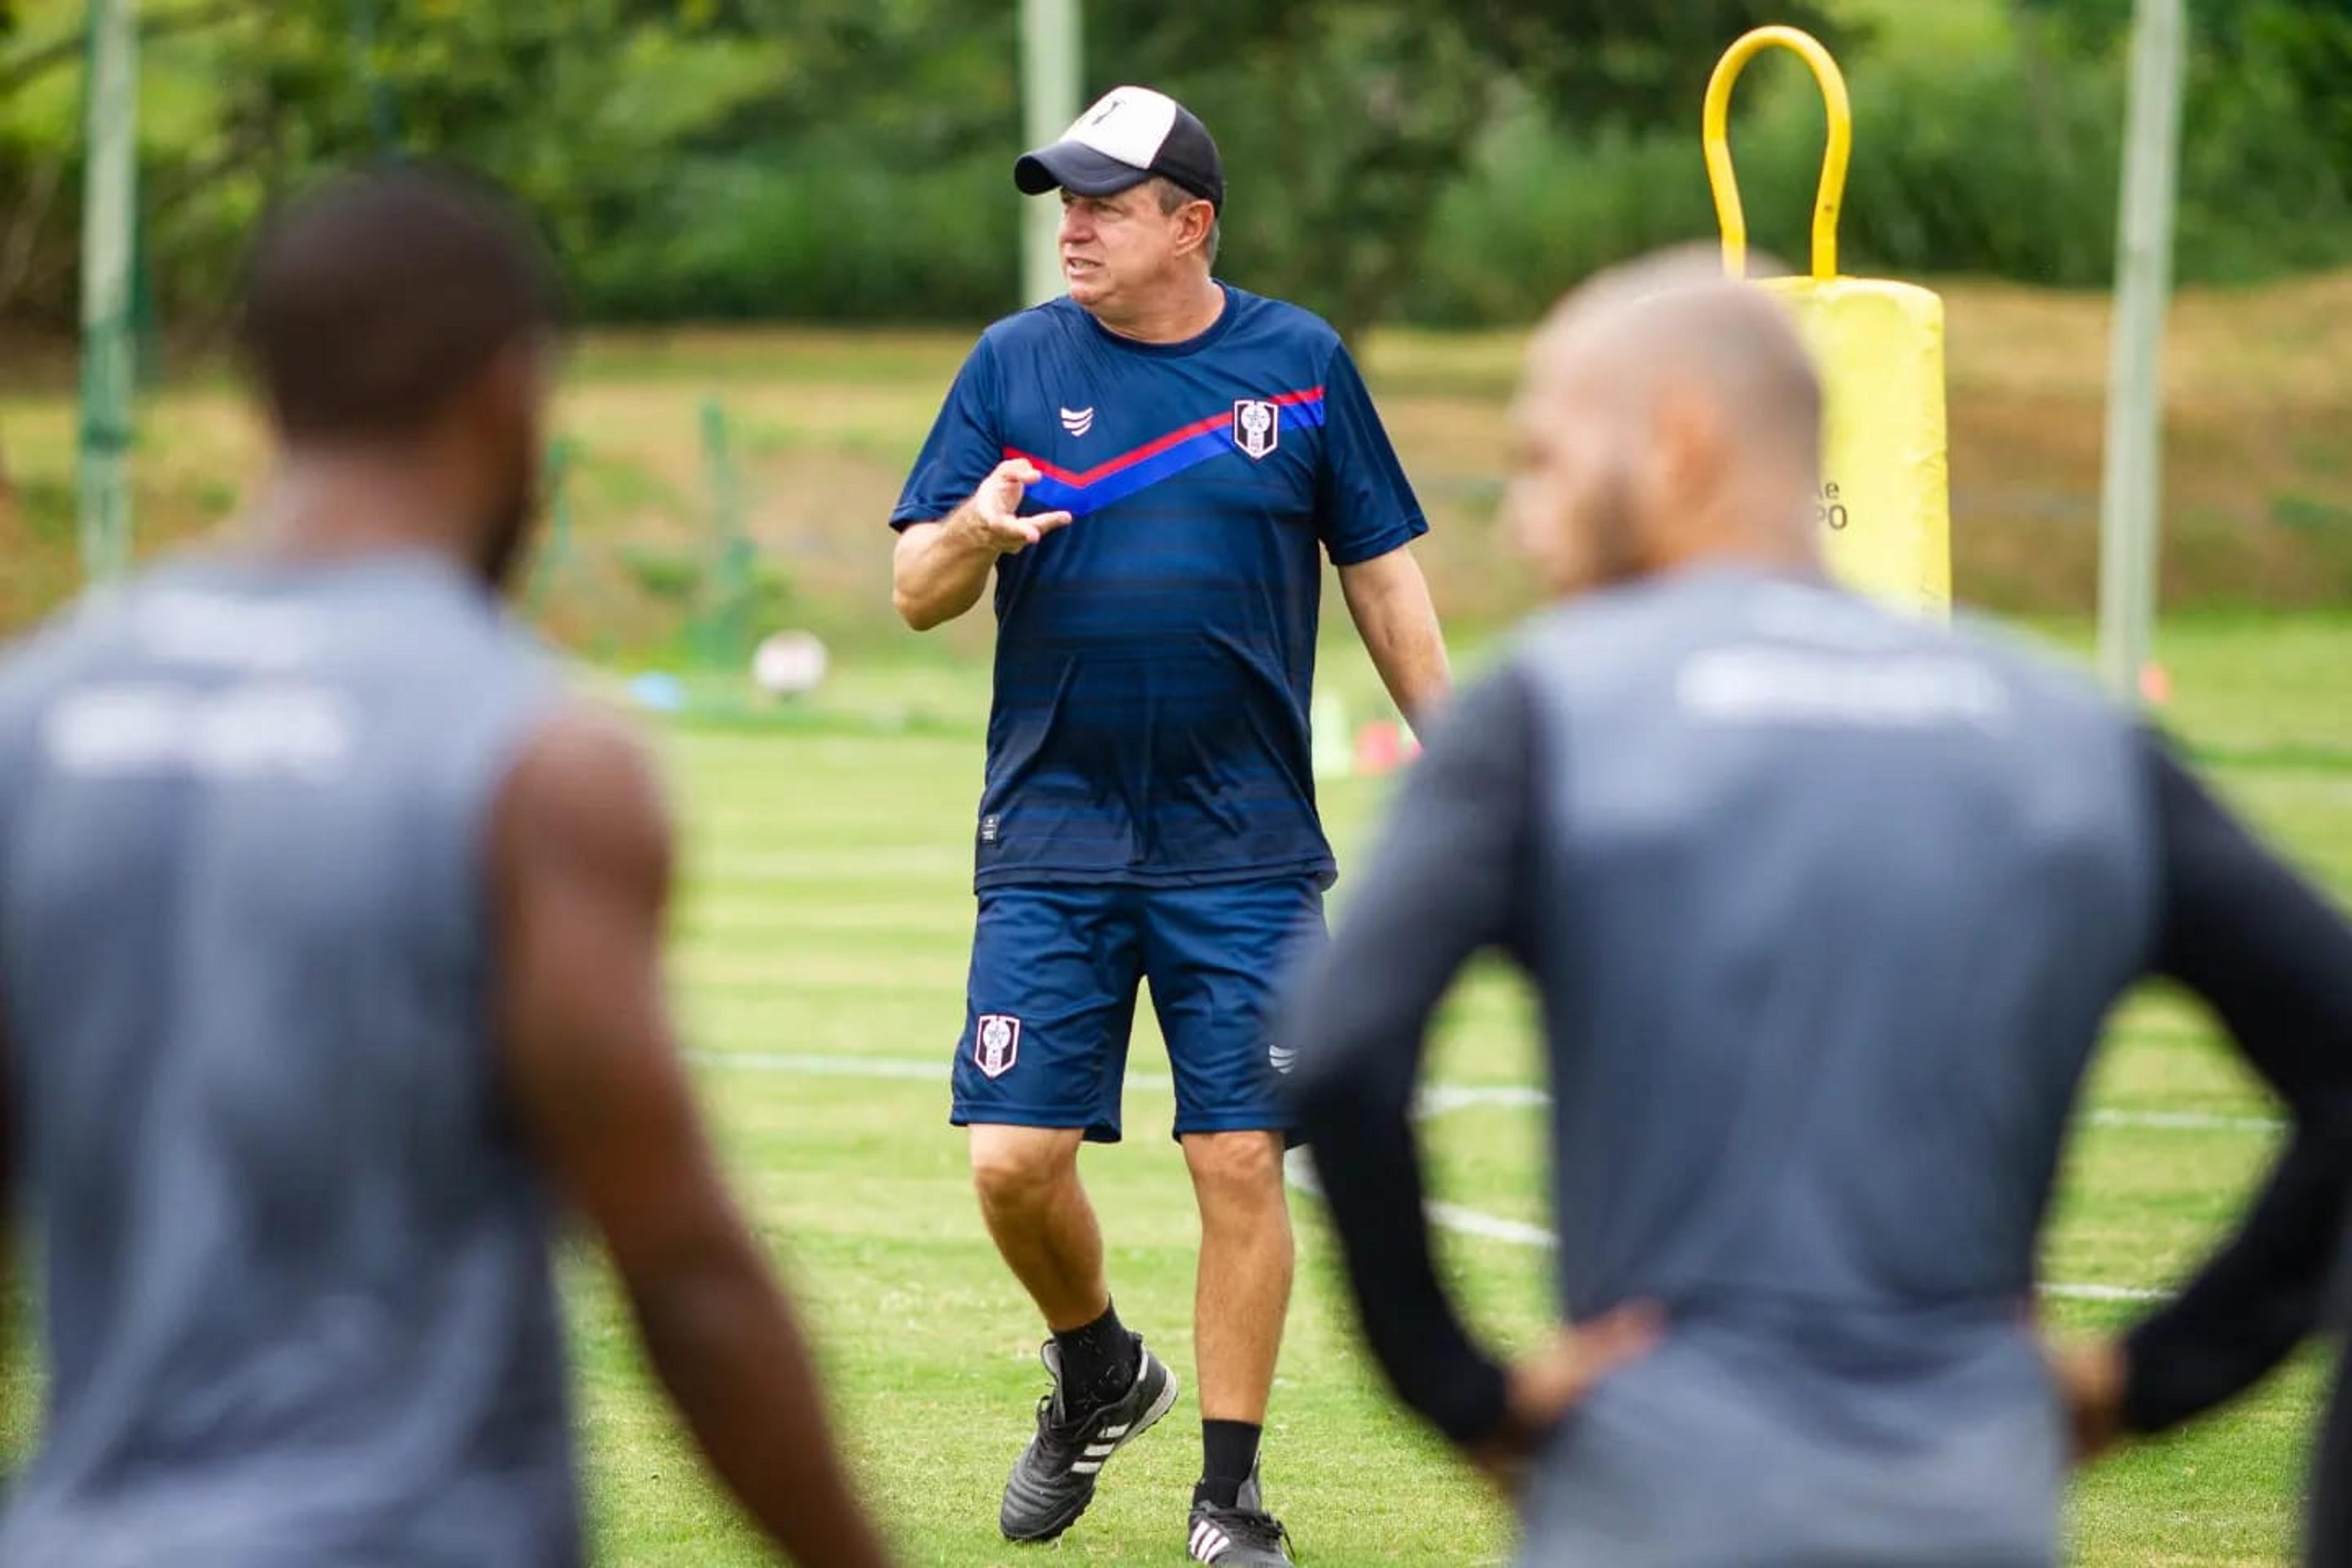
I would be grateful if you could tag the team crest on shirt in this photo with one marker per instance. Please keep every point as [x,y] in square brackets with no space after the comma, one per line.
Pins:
[996,1044]
[1257,427]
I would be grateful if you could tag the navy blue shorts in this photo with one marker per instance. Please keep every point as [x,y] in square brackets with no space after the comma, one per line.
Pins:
[1052,999]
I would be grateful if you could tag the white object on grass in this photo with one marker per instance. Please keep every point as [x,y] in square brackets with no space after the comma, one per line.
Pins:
[789,663]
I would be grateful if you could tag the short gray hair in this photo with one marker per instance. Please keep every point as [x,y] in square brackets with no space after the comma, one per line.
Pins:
[1173,196]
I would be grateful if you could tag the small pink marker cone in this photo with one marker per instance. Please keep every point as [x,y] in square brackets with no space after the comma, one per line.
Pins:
[1378,750]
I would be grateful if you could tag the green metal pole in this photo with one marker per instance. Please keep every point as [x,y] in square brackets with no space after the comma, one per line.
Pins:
[109,363]
[1051,68]
[380,119]
[2131,490]
[723,633]
[555,548]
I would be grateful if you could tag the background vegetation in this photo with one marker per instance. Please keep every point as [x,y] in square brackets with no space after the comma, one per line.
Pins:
[744,191]
[1456,164]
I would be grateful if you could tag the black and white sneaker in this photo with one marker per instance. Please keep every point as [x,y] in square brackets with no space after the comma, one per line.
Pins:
[1241,1536]
[1053,1480]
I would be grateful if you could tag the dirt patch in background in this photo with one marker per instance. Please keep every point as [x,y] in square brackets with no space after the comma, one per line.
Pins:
[2257,479]
[2258,469]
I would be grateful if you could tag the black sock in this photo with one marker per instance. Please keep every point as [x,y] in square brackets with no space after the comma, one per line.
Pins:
[1099,1361]
[1228,1454]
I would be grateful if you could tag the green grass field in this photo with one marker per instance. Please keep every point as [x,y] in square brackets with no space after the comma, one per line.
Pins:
[820,940]
[820,950]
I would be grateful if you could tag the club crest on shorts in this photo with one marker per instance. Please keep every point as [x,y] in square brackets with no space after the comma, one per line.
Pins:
[1257,427]
[996,1044]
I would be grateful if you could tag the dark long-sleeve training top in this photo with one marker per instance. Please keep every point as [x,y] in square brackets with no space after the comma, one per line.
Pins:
[1825,909]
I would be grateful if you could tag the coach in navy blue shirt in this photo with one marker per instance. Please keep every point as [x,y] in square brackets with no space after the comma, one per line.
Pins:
[1152,469]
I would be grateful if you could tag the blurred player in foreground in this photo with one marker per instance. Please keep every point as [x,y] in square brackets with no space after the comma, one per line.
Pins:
[329,943]
[1826,907]
[1150,469]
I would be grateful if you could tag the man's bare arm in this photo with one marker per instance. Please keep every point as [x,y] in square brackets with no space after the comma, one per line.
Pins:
[581,854]
[1389,600]
[938,570]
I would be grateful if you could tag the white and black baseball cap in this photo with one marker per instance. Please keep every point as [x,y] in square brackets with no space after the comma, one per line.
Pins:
[1131,135]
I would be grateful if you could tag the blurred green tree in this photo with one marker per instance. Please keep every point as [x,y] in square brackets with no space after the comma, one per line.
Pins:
[1344,122]
[2265,182]
[581,106]
[846,159]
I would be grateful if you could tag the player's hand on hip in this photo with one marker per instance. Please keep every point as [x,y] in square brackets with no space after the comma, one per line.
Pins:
[1546,1386]
[2090,1381]
[994,520]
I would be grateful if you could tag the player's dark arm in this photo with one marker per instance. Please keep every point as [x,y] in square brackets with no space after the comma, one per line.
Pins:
[938,570]
[1446,882]
[10,1144]
[2275,961]
[582,850]
[1389,600]
[2251,1305]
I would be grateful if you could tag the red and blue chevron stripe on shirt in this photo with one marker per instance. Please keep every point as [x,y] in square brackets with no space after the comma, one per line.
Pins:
[1107,483]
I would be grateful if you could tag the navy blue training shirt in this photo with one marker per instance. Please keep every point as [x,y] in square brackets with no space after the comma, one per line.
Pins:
[1156,659]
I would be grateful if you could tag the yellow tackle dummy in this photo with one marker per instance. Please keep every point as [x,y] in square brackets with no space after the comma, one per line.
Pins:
[1886,501]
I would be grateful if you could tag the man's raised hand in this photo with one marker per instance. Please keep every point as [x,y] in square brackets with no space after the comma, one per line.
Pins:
[991,518]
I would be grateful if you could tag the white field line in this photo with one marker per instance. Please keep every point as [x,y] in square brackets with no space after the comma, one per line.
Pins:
[864,865]
[1440,1098]
[1436,1101]
[2104,1293]
[1301,1172]
[1518,1233]
[2185,1121]
[805,1065]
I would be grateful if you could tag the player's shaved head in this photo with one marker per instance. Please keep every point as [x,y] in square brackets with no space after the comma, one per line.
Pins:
[1675,322]
[1668,414]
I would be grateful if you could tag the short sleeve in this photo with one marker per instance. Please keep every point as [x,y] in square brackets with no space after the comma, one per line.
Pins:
[1364,507]
[963,449]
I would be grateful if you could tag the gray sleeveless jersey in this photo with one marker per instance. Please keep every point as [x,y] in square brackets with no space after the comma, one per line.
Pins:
[297,1293]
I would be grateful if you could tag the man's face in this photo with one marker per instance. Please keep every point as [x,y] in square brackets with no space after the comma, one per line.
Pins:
[1116,247]
[1569,509]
